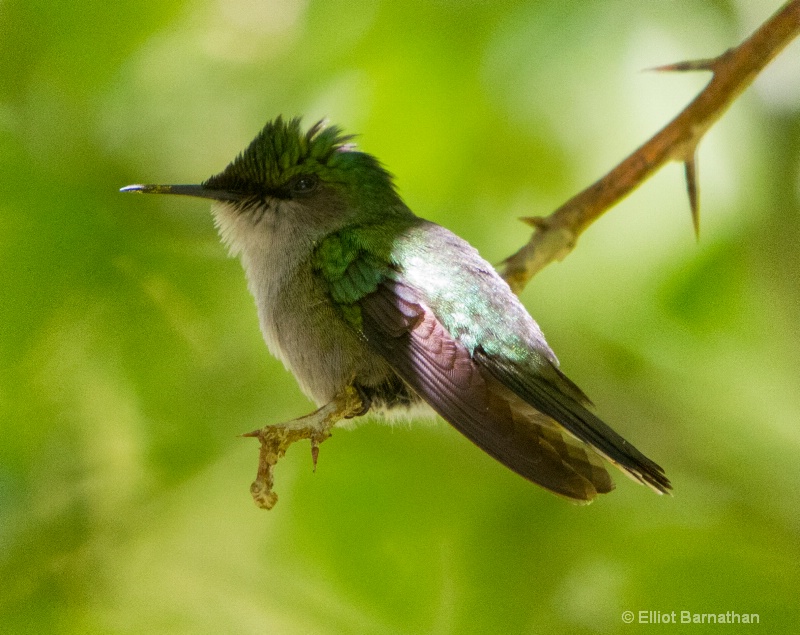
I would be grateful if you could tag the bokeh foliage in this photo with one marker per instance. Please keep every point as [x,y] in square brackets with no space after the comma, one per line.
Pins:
[131,356]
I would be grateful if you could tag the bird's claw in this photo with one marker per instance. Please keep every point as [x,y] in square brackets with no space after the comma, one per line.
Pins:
[276,439]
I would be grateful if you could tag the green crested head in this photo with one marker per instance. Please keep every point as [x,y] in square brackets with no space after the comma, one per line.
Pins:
[283,161]
[287,180]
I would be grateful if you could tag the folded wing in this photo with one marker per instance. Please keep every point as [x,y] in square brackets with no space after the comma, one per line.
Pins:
[470,397]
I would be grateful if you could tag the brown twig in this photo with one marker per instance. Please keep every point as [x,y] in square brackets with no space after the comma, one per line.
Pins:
[733,71]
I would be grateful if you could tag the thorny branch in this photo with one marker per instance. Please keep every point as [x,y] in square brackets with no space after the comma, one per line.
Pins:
[732,72]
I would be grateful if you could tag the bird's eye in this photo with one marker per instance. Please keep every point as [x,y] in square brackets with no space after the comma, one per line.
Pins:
[304,184]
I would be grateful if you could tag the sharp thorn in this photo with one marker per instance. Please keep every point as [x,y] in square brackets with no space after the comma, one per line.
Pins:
[314,454]
[690,65]
[690,166]
[537,222]
[254,434]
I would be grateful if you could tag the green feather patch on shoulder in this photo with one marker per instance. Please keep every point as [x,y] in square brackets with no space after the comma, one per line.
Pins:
[351,268]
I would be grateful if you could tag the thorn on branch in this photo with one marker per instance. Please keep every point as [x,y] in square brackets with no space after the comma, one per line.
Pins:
[689,65]
[537,222]
[690,166]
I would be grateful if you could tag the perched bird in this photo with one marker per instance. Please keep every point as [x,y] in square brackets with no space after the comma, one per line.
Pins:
[375,310]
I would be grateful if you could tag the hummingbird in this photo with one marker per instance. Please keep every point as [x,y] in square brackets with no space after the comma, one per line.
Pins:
[377,311]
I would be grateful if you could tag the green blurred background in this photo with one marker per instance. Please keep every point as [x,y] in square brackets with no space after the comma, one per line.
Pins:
[131,355]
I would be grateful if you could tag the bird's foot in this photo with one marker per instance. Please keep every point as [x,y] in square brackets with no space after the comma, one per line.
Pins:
[276,439]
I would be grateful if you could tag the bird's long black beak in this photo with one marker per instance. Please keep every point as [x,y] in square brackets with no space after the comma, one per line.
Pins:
[197,191]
